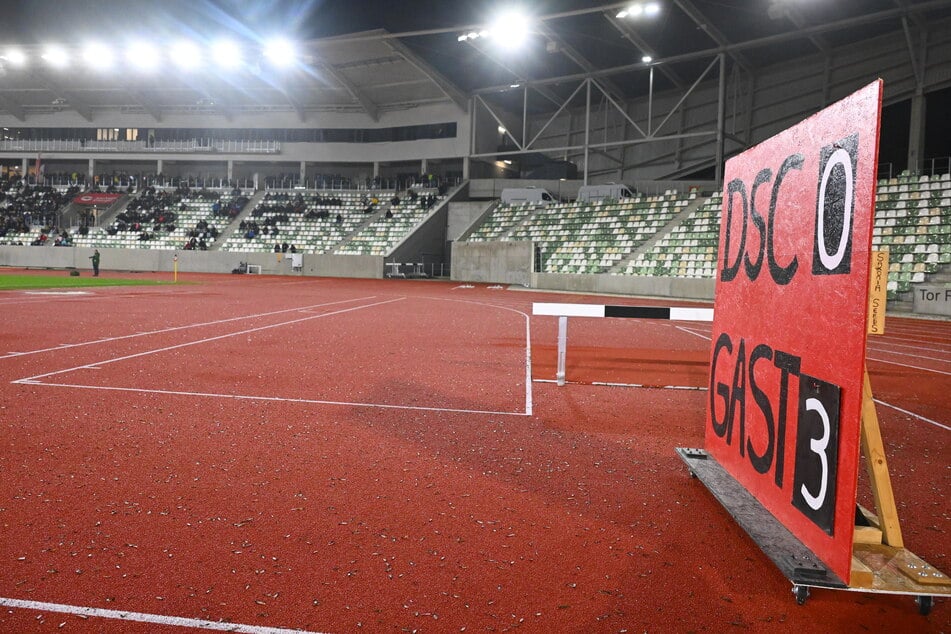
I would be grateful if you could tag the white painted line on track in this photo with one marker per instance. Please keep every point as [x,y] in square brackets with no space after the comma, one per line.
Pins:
[185,327]
[206,340]
[142,617]
[930,348]
[279,399]
[528,343]
[690,332]
[918,416]
[905,365]
[879,350]
[630,385]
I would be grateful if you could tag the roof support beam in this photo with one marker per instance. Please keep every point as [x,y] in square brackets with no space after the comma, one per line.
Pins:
[368,106]
[715,34]
[870,18]
[71,98]
[608,86]
[627,32]
[12,107]
[152,110]
[457,96]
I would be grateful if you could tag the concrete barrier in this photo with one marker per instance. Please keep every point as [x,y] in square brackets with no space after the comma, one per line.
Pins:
[932,300]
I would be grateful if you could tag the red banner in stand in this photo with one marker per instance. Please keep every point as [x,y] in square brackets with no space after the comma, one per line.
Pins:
[96,198]
[785,395]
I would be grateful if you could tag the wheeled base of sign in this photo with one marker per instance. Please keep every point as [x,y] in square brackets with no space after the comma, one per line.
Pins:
[876,568]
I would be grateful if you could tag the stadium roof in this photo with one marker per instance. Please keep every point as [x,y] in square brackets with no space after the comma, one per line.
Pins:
[372,56]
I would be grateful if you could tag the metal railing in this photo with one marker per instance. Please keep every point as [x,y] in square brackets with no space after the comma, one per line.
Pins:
[927,167]
[189,146]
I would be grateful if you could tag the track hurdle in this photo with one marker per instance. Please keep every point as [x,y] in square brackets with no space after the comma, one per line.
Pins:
[564,311]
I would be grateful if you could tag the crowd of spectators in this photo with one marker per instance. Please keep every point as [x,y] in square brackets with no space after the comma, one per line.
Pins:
[156,212]
[24,206]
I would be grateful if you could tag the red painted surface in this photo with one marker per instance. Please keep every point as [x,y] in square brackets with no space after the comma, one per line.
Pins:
[344,518]
[782,295]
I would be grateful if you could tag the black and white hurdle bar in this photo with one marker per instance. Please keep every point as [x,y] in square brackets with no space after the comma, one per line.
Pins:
[564,311]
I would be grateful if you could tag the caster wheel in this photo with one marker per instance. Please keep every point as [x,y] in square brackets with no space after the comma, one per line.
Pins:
[802,593]
[924,604]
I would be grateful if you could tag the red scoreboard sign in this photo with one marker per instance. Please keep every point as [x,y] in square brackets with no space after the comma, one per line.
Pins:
[785,398]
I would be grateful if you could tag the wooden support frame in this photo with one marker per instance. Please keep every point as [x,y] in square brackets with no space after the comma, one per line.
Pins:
[885,527]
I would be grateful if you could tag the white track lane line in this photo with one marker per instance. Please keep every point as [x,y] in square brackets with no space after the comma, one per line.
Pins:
[690,332]
[142,617]
[868,358]
[918,416]
[34,380]
[879,350]
[929,348]
[631,385]
[206,340]
[186,327]
[905,365]
[528,343]
[279,399]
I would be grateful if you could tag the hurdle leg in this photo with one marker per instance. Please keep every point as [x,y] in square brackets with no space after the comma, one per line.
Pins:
[562,345]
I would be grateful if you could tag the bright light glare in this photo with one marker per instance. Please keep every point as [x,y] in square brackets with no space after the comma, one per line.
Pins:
[280,52]
[56,56]
[226,53]
[647,59]
[142,55]
[98,56]
[185,55]
[15,56]
[649,9]
[511,30]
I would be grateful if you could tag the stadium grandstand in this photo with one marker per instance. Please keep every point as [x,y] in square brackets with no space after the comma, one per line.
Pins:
[256,137]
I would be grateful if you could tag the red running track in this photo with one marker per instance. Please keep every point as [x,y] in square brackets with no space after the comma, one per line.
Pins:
[341,456]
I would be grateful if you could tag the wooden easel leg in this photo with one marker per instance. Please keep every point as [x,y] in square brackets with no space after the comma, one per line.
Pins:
[874,450]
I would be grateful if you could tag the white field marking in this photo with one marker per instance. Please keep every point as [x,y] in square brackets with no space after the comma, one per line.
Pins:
[931,347]
[206,340]
[141,617]
[279,399]
[631,385]
[868,358]
[690,332]
[905,365]
[185,327]
[918,416]
[528,343]
[879,350]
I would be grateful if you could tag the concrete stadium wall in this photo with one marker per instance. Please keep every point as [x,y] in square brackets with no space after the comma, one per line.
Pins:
[492,262]
[674,287]
[141,260]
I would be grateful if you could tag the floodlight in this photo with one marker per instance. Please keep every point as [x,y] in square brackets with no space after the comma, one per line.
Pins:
[647,59]
[280,52]
[15,56]
[226,53]
[511,29]
[186,55]
[142,55]
[56,56]
[651,9]
[98,56]
[502,130]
